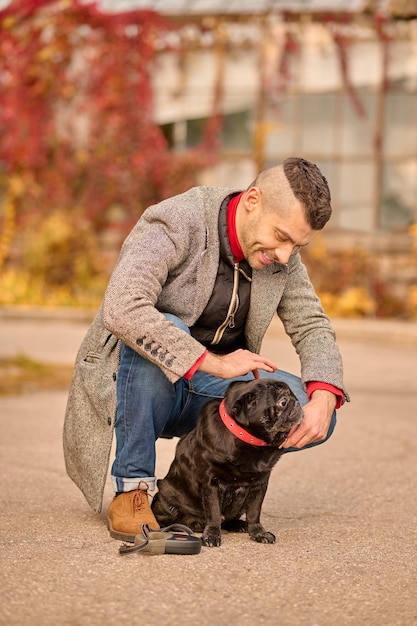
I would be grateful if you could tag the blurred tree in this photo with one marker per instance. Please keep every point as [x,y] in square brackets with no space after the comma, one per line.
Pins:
[76,114]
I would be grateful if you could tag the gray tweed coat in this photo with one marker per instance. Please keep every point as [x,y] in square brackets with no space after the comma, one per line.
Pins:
[169,263]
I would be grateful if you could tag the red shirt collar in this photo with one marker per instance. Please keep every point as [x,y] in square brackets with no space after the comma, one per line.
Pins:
[231,228]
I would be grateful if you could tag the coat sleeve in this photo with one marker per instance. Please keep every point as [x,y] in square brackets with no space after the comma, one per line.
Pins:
[309,329]
[154,261]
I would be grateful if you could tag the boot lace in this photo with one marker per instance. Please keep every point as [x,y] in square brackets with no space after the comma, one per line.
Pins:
[140,499]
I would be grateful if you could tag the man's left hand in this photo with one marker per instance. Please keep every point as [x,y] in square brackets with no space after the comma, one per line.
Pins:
[316,421]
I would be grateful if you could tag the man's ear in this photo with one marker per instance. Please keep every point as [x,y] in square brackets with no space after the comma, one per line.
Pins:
[252,198]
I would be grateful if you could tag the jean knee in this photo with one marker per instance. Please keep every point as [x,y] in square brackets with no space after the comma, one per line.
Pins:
[293,381]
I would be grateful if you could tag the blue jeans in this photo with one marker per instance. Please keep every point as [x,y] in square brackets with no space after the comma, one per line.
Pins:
[149,406]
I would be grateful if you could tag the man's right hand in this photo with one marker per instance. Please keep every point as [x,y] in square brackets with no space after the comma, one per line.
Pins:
[238,363]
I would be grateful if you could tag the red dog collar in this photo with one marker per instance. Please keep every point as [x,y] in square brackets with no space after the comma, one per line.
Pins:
[237,430]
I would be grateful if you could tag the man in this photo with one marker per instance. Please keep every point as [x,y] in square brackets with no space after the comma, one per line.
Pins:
[197,283]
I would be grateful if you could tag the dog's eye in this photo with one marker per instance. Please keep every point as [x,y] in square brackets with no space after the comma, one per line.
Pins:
[283,403]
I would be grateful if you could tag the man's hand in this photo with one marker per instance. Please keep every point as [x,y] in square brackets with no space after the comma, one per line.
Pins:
[236,363]
[316,421]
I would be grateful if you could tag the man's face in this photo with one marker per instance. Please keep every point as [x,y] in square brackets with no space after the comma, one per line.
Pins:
[268,237]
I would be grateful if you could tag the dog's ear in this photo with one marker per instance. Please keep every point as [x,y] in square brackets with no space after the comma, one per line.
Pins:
[242,407]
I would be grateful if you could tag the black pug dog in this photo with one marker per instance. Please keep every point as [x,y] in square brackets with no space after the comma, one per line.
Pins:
[221,468]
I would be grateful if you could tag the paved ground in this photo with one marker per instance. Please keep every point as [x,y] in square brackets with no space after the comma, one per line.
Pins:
[345,514]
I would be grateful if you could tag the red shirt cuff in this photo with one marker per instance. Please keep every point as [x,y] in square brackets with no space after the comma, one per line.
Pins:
[313,385]
[188,375]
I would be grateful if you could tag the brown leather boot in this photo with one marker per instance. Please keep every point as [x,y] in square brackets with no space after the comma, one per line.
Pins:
[128,511]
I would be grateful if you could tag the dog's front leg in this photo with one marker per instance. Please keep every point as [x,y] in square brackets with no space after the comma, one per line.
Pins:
[211,536]
[253,516]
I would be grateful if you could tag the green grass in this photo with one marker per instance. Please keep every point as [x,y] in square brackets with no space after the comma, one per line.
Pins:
[21,374]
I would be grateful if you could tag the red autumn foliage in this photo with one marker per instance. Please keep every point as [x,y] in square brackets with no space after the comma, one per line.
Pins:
[76,111]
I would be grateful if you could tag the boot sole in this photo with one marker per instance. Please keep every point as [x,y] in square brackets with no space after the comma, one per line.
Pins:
[115,534]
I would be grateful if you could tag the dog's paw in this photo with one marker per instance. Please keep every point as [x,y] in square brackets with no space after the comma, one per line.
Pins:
[211,537]
[263,537]
[258,533]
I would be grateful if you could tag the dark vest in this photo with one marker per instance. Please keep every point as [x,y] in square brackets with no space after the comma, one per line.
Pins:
[221,325]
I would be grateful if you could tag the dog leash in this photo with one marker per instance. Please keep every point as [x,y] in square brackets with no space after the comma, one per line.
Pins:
[163,541]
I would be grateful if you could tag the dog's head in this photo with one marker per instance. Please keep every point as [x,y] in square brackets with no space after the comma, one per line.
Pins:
[265,407]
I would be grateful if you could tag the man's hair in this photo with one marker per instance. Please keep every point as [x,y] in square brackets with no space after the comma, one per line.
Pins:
[310,187]
[302,179]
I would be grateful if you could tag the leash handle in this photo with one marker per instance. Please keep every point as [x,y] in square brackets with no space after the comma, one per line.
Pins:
[155,541]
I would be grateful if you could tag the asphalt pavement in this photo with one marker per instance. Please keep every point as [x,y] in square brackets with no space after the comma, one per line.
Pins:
[345,513]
